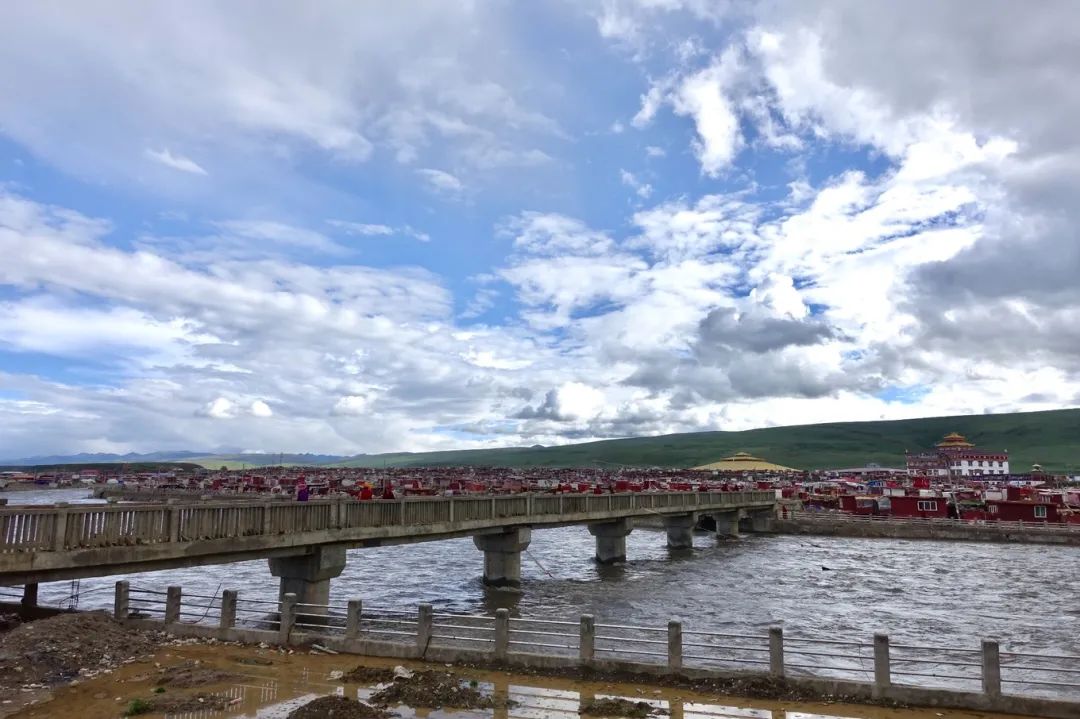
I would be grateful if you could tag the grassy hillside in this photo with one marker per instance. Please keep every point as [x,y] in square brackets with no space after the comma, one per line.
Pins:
[1049,438]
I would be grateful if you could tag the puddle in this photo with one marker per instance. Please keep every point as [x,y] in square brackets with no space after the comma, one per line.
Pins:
[258,690]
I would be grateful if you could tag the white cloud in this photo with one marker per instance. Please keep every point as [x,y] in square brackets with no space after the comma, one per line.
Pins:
[352,405]
[641,189]
[261,409]
[220,408]
[654,151]
[441,181]
[375,230]
[177,162]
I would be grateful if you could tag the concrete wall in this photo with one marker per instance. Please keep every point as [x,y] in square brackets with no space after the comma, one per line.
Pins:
[820,526]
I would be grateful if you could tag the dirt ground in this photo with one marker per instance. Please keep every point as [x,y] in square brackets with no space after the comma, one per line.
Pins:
[117,670]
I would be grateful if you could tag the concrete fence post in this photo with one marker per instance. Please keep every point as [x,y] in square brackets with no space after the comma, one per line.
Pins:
[173,511]
[502,633]
[776,651]
[587,639]
[424,620]
[121,601]
[674,646]
[60,529]
[173,596]
[352,618]
[882,669]
[450,509]
[228,609]
[288,618]
[991,668]
[267,523]
[29,595]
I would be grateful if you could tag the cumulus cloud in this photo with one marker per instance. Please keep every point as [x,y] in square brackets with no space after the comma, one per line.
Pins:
[866,215]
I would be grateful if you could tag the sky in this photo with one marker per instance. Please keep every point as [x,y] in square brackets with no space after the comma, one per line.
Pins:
[349,227]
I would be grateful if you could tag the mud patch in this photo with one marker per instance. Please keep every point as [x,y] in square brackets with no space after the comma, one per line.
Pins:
[619,708]
[337,708]
[178,705]
[192,674]
[63,647]
[368,675]
[434,690]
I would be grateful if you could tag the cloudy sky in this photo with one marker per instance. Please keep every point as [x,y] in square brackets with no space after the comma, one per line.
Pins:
[362,227]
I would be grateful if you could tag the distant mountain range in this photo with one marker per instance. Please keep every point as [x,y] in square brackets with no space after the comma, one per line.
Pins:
[1050,438]
[205,458]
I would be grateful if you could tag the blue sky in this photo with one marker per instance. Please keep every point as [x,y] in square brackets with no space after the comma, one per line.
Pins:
[348,227]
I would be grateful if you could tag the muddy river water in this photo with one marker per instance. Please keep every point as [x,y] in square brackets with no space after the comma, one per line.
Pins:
[281,682]
[918,591]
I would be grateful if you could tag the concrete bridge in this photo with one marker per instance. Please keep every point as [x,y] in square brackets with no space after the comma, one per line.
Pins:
[305,542]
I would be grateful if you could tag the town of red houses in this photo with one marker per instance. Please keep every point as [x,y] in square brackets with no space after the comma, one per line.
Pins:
[955,481]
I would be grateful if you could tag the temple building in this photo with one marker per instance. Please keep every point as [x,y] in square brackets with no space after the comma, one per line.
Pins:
[742,462]
[954,456]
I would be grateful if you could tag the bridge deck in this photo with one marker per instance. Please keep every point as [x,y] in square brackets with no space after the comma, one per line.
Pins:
[56,543]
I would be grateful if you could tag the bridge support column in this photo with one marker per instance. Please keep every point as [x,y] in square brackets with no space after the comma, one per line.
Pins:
[680,531]
[502,556]
[761,520]
[308,576]
[727,524]
[611,540]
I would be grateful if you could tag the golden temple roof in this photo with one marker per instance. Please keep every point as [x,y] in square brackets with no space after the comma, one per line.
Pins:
[954,440]
[745,462]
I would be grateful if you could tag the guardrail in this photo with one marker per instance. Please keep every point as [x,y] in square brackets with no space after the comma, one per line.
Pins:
[930,521]
[880,666]
[63,527]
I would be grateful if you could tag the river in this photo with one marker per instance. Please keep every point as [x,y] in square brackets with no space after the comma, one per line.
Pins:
[917,591]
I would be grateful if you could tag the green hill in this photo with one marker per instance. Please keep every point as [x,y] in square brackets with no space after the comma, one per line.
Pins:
[1049,438]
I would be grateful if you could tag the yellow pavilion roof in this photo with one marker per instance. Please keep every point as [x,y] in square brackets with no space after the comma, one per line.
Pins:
[954,439]
[745,462]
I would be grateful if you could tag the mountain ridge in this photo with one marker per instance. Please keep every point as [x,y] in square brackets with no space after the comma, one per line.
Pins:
[1048,437]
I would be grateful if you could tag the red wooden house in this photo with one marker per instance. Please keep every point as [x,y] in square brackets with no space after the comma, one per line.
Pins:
[1006,510]
[925,507]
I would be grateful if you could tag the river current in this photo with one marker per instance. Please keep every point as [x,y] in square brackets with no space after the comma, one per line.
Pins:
[924,592]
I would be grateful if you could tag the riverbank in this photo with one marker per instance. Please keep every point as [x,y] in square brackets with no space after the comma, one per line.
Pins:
[242,680]
[934,529]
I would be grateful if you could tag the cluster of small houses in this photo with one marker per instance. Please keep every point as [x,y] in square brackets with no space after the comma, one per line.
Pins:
[953,481]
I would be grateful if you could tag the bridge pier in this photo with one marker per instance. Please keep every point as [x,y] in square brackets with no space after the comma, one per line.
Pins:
[502,556]
[760,520]
[727,523]
[611,540]
[680,531]
[308,575]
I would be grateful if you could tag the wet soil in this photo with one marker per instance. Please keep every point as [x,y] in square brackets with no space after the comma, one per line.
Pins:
[192,674]
[619,708]
[176,705]
[363,674]
[435,690]
[41,654]
[336,707]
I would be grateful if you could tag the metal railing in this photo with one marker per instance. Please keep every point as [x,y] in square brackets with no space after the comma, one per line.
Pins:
[880,663]
[63,527]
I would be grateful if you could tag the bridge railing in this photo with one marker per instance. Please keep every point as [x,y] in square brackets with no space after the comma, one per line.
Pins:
[63,527]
